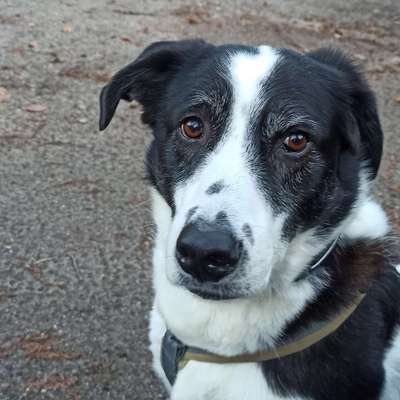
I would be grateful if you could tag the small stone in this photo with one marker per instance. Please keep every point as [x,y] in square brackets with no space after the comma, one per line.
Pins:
[337,33]
[67,28]
[33,45]
[82,120]
[81,106]
[4,94]
[36,108]
[360,57]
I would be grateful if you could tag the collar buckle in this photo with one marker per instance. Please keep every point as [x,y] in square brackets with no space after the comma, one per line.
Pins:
[172,353]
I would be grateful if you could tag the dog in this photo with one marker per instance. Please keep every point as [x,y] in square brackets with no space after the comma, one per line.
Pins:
[276,273]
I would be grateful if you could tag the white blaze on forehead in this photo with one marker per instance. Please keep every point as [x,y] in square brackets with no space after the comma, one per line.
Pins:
[248,72]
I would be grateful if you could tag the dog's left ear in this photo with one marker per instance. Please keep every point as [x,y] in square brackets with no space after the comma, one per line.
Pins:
[361,127]
[145,78]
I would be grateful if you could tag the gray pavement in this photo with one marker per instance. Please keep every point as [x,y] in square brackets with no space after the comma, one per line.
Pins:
[75,227]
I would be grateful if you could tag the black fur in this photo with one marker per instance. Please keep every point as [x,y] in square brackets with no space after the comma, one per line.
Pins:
[215,188]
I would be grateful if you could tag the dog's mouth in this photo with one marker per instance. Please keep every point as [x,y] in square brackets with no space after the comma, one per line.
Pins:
[206,291]
[211,295]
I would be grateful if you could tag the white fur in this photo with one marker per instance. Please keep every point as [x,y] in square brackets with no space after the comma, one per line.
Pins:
[392,371]
[223,382]
[156,333]
[367,219]
[237,326]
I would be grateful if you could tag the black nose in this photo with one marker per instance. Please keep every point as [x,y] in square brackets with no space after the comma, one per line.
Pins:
[207,253]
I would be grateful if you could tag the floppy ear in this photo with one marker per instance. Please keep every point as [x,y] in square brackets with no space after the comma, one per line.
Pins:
[145,78]
[363,129]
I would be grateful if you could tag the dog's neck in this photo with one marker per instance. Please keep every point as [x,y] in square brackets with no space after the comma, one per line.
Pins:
[352,268]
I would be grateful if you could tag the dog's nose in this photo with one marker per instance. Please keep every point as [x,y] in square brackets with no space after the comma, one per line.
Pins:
[209,253]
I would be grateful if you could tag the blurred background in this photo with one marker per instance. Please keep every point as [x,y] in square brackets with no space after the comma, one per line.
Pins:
[75,226]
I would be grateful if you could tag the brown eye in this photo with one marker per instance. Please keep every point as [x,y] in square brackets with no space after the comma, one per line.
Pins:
[296,142]
[192,127]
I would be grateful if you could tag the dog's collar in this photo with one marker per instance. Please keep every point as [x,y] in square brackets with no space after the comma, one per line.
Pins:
[319,261]
[175,355]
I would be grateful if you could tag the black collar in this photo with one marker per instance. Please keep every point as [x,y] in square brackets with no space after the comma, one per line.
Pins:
[172,351]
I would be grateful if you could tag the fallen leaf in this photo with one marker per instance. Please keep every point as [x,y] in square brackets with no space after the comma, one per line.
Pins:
[36,108]
[126,39]
[193,19]
[397,99]
[4,94]
[67,28]
[82,72]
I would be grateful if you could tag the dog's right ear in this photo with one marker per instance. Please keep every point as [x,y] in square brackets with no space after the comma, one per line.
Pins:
[145,78]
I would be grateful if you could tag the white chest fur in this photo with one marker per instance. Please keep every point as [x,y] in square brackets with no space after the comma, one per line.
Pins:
[203,381]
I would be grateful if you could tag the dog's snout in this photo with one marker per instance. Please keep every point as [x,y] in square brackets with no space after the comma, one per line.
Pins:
[208,254]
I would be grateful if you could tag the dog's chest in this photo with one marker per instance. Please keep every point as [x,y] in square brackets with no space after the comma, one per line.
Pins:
[203,381]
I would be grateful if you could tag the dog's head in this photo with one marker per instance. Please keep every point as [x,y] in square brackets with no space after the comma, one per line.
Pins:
[261,155]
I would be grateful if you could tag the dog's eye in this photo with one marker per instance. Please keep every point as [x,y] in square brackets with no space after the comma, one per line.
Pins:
[296,142]
[192,127]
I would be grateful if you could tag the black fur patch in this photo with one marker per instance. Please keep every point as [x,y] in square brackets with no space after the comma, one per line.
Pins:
[215,188]
[248,232]
[190,214]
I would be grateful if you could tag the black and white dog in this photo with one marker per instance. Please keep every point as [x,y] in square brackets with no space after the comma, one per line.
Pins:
[260,169]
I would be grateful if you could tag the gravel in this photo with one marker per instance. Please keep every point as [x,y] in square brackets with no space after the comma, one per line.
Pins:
[75,227]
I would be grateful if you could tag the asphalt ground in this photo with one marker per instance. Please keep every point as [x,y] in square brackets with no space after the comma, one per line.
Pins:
[75,226]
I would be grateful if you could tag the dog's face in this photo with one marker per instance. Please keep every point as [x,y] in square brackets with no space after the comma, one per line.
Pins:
[257,151]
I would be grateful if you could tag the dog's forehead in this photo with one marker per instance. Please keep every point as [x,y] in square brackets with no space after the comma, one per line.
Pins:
[243,69]
[221,76]
[249,70]
[284,80]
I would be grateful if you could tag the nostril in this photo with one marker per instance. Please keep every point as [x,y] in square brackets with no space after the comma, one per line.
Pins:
[183,254]
[182,250]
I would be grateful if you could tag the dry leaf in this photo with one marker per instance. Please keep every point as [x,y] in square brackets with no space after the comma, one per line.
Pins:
[193,19]
[67,28]
[4,94]
[36,108]
[397,99]
[126,39]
